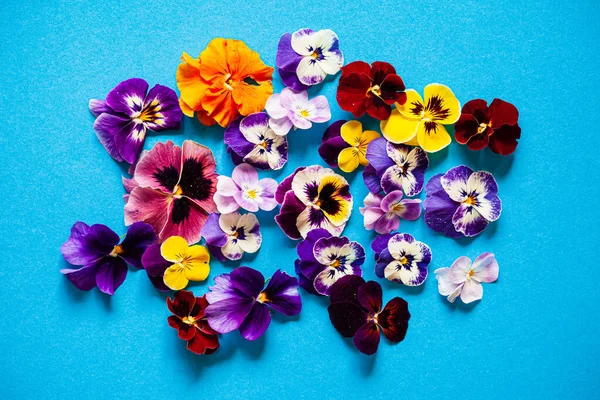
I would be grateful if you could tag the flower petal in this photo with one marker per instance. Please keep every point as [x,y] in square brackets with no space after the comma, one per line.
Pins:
[252,239]
[185,219]
[442,104]
[351,132]
[331,149]
[198,175]
[471,291]
[128,96]
[485,268]
[484,185]
[139,237]
[367,338]
[370,296]
[503,113]
[162,107]
[352,89]
[174,249]
[288,215]
[175,277]
[228,314]
[398,128]
[203,343]
[148,205]
[346,318]
[394,319]
[445,285]
[459,270]
[304,41]
[274,107]
[504,139]
[110,274]
[371,180]
[432,136]
[182,304]
[282,294]
[88,244]
[248,281]
[227,186]
[469,221]
[286,57]
[377,154]
[98,107]
[196,263]
[106,127]
[160,168]
[256,322]
[212,232]
[348,159]
[153,261]
[225,204]
[455,181]
[319,109]
[439,208]
[82,278]
[346,289]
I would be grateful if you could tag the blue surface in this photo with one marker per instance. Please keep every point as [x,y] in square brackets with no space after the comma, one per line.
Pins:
[534,335]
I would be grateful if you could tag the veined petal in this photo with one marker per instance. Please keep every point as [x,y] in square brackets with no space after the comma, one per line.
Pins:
[439,208]
[485,268]
[98,107]
[225,204]
[282,294]
[252,239]
[413,107]
[467,220]
[106,127]
[198,175]
[110,274]
[352,132]
[150,206]
[185,219]
[455,181]
[228,314]
[140,236]
[411,209]
[128,96]
[304,41]
[256,323]
[196,263]
[398,128]
[160,168]
[175,278]
[348,159]
[309,71]
[161,109]
[483,187]
[432,136]
[174,249]
[440,104]
[129,141]
[445,285]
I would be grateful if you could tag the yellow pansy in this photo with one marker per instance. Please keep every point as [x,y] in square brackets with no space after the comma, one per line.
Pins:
[353,134]
[190,263]
[421,123]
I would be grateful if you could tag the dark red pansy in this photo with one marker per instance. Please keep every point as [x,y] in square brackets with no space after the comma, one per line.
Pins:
[494,126]
[355,311]
[188,319]
[371,89]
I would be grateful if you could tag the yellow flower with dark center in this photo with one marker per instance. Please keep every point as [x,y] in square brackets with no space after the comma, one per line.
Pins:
[190,263]
[351,157]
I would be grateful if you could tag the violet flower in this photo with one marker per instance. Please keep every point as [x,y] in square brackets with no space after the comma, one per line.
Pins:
[306,57]
[229,236]
[103,256]
[293,109]
[325,258]
[383,213]
[402,259]
[245,190]
[461,202]
[128,111]
[240,300]
[464,279]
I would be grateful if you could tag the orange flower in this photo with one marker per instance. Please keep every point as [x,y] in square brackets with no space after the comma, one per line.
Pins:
[227,80]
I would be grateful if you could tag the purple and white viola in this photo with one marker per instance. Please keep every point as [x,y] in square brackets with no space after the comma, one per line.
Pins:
[306,57]
[128,112]
[229,236]
[395,167]
[402,259]
[245,190]
[461,202]
[383,213]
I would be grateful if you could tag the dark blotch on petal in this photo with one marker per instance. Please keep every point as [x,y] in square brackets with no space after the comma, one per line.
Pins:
[167,177]
[193,182]
[346,318]
[181,210]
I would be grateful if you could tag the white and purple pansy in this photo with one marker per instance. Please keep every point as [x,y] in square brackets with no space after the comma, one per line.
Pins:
[293,109]
[229,236]
[461,202]
[395,167]
[252,141]
[383,213]
[245,190]
[313,197]
[128,111]
[305,57]
[402,259]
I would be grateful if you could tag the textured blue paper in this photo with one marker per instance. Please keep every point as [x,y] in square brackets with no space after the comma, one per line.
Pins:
[534,335]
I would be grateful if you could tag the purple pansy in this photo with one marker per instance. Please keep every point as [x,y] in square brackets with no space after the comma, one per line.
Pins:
[395,167]
[306,57]
[103,256]
[156,265]
[240,300]
[383,213]
[461,202]
[402,259]
[325,258]
[229,236]
[245,190]
[293,109]
[128,111]
[251,140]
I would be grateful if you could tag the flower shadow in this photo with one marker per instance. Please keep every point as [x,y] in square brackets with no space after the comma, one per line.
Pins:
[487,160]
[78,296]
[365,362]
[459,305]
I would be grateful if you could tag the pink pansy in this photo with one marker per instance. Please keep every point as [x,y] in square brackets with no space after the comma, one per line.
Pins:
[245,190]
[290,108]
[464,279]
[383,213]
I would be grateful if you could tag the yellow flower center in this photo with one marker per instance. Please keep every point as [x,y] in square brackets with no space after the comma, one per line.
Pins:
[403,260]
[304,113]
[252,194]
[228,82]
[264,144]
[470,274]
[262,297]
[397,207]
[315,55]
[376,90]
[472,201]
[482,127]
[335,264]
[116,251]
[188,320]
[177,192]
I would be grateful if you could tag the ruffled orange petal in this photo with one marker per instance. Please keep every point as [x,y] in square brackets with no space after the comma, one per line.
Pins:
[250,98]
[185,109]
[220,106]
[191,85]
[213,60]
[204,118]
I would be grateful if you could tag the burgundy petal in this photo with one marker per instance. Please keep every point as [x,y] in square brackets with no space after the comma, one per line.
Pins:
[288,215]
[184,331]
[182,303]
[345,289]
[203,343]
[367,338]
[346,318]
[503,113]
[394,319]
[504,139]
[465,128]
[392,90]
[377,108]
[370,296]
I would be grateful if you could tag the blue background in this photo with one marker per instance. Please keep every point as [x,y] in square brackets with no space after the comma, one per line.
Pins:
[534,334]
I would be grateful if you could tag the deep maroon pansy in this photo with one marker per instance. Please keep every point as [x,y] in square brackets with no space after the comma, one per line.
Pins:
[494,126]
[356,310]
[371,89]
[188,318]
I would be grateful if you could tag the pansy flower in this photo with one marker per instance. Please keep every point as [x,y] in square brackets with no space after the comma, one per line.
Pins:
[176,263]
[344,145]
[313,197]
[229,236]
[103,256]
[189,320]
[245,190]
[128,112]
[464,279]
[402,259]
[383,213]
[325,258]
[421,122]
[251,140]
[173,189]
[305,57]
[293,109]
[240,300]
[496,126]
[461,202]
[226,81]
[356,310]
[395,167]
[371,89]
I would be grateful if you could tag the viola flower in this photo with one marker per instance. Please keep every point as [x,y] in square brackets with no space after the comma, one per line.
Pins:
[251,140]
[290,108]
[383,213]
[355,310]
[128,112]
[395,167]
[402,259]
[103,256]
[245,190]
[306,57]
[186,263]
[240,300]
[464,279]
[313,197]
[226,81]
[229,236]
[189,320]
[371,89]
[325,258]
[496,126]
[345,145]
[421,123]
[173,189]
[461,202]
